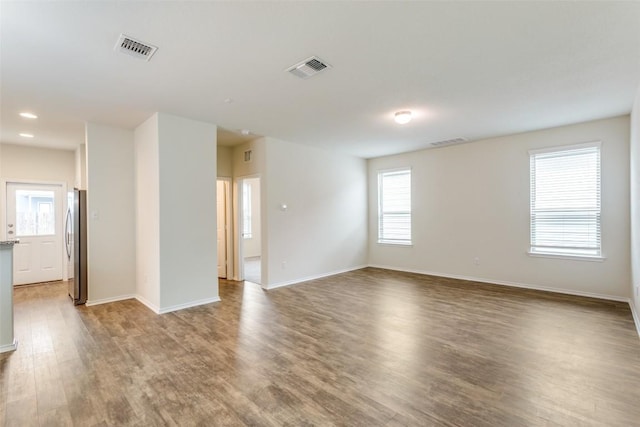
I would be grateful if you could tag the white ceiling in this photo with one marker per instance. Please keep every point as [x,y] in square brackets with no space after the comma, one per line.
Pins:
[466,69]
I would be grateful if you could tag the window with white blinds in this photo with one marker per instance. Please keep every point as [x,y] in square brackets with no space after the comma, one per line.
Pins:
[565,201]
[394,207]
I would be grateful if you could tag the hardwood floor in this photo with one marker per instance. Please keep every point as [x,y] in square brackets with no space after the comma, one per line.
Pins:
[366,348]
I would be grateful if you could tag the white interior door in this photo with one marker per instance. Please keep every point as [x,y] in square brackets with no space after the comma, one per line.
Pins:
[34,215]
[222,189]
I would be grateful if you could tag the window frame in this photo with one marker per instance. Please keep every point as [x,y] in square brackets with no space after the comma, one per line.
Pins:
[573,255]
[393,242]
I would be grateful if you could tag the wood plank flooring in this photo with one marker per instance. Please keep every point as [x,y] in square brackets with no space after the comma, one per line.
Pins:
[366,348]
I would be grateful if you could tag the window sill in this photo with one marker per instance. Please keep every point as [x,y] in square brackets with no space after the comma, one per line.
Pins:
[406,245]
[568,257]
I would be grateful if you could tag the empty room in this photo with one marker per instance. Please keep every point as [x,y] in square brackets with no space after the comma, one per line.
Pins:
[328,213]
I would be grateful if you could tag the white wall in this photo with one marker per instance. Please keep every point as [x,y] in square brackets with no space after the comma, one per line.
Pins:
[81,167]
[225,162]
[324,229]
[188,241]
[175,170]
[472,200]
[37,164]
[635,207]
[3,198]
[147,213]
[111,213]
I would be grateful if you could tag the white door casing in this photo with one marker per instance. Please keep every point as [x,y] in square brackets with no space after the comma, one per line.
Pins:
[221,188]
[35,216]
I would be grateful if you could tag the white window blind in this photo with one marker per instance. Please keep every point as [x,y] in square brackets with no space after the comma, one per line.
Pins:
[565,201]
[394,207]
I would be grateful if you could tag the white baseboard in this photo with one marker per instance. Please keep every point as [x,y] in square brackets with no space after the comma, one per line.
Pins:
[158,310]
[512,284]
[308,278]
[189,305]
[108,300]
[9,347]
[636,316]
[152,306]
[148,304]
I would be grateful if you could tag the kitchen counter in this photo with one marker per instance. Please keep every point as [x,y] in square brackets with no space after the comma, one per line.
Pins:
[7,340]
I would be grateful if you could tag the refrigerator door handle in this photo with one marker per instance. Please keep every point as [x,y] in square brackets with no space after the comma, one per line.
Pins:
[67,232]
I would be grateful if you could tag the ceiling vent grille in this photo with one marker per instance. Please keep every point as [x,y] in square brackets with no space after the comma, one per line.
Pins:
[448,142]
[247,156]
[135,48]
[308,68]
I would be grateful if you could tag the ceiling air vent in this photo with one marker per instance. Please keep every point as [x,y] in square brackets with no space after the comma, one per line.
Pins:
[448,142]
[247,156]
[308,68]
[135,48]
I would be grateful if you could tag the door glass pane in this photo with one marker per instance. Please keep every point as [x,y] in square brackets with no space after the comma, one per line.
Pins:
[35,215]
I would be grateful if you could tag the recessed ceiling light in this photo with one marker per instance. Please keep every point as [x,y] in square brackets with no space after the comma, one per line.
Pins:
[27,115]
[402,117]
[26,135]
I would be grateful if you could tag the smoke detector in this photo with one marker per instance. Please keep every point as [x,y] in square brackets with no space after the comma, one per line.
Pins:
[135,48]
[448,142]
[308,68]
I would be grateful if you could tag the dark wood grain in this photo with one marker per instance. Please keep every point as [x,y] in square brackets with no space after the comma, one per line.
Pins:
[366,348]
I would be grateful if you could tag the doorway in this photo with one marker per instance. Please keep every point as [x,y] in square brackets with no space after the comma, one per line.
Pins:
[251,232]
[34,216]
[223,197]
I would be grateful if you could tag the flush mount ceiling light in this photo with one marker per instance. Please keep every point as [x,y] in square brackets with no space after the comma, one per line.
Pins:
[26,135]
[402,117]
[28,115]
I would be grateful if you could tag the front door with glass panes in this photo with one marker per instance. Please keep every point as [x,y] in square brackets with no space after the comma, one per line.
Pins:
[34,215]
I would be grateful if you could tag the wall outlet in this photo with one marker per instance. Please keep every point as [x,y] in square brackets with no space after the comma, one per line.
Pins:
[284,264]
[476,261]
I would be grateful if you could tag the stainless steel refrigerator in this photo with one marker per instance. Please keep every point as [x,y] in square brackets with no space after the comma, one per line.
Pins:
[76,240]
